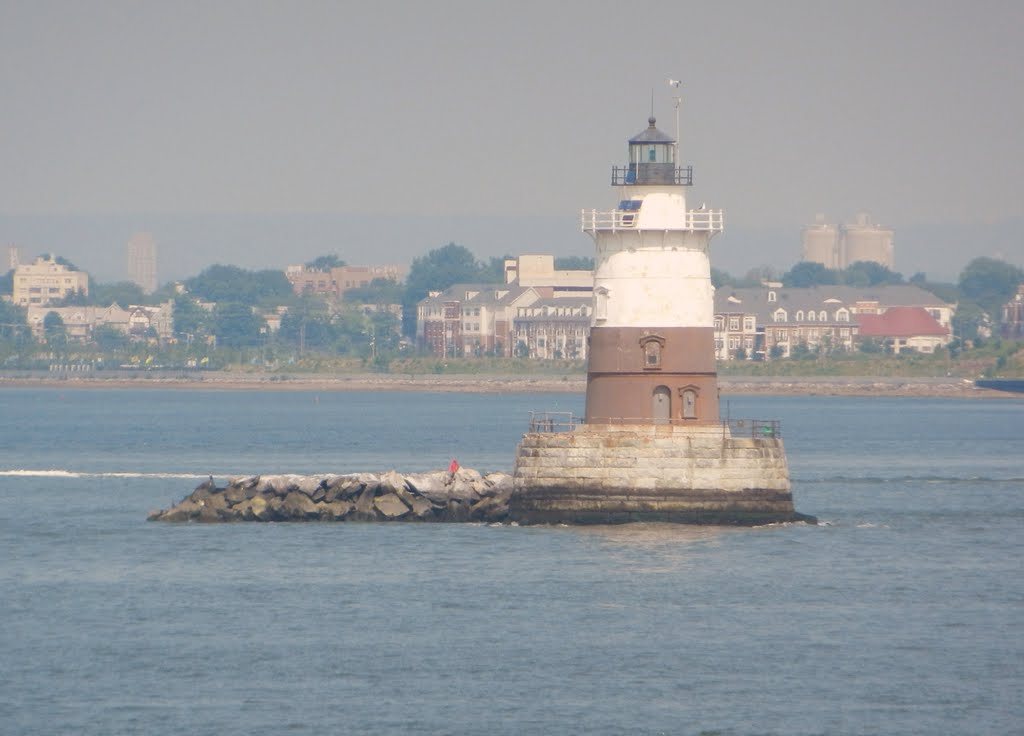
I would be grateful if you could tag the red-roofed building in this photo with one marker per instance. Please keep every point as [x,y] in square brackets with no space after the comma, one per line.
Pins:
[904,328]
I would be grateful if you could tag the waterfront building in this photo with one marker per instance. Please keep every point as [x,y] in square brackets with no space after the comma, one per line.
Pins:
[46,281]
[771,321]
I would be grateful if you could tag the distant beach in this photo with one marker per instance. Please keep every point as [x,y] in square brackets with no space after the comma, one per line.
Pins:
[951,387]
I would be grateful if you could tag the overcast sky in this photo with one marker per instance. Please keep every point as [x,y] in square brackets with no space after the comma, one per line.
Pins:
[910,110]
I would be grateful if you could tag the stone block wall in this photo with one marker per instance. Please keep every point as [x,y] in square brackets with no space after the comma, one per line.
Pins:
[615,473]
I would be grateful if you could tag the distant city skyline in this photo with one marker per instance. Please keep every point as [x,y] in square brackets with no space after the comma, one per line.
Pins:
[250,132]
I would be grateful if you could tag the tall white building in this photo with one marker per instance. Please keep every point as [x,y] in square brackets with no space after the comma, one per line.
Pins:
[142,261]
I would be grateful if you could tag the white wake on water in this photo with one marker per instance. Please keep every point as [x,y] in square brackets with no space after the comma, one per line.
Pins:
[28,473]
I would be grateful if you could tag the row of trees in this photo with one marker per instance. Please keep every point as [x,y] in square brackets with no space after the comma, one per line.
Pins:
[363,323]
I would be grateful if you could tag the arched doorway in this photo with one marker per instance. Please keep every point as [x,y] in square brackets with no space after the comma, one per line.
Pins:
[661,409]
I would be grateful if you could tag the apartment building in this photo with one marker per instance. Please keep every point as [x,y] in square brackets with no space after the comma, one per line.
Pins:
[500,319]
[336,281]
[757,323]
[46,281]
[553,329]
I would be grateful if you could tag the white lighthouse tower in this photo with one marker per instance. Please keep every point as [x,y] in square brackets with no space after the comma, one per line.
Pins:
[652,446]
[652,347]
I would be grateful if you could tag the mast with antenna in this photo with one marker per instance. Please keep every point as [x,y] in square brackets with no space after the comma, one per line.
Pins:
[675,84]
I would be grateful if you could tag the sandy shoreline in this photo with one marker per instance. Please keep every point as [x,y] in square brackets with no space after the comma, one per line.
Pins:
[730,385]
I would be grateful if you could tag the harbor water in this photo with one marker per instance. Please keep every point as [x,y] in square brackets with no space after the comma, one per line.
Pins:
[901,613]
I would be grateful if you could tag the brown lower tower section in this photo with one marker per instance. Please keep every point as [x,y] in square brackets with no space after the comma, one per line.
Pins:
[662,375]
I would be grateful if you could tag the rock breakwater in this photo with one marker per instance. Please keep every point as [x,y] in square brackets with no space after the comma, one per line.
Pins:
[466,495]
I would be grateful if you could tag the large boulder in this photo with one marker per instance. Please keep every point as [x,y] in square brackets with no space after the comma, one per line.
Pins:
[184,511]
[335,510]
[422,508]
[390,506]
[299,507]
[235,493]
[433,486]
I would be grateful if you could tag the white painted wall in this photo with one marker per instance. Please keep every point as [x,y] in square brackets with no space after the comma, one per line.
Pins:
[662,286]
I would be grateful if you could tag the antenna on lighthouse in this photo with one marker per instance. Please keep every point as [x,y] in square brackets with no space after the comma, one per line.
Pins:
[675,84]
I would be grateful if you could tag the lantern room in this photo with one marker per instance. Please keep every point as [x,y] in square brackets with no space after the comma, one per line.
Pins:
[652,160]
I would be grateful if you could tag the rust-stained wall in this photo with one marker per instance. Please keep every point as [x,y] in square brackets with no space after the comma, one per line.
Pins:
[621,380]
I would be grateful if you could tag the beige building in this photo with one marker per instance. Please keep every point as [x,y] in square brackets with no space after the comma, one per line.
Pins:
[46,281]
[336,281]
[838,246]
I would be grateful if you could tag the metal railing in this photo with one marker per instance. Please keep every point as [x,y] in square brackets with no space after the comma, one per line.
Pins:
[554,421]
[695,220]
[662,174]
[566,421]
[755,428]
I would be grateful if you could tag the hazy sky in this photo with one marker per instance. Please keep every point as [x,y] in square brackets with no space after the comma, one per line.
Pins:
[910,110]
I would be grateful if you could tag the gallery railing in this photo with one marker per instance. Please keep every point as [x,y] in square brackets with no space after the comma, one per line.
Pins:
[566,421]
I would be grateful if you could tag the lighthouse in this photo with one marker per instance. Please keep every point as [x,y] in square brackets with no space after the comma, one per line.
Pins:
[652,446]
[652,346]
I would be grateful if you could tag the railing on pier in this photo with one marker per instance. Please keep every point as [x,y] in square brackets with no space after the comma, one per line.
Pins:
[756,428]
[554,421]
[566,421]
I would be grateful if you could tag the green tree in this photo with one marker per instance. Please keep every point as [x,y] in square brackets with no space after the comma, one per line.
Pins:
[55,331]
[189,319]
[7,282]
[967,319]
[109,339]
[220,283]
[574,263]
[809,273]
[721,278]
[123,293]
[308,326]
[325,263]
[493,272]
[869,273]
[236,325]
[990,283]
[379,291]
[436,271]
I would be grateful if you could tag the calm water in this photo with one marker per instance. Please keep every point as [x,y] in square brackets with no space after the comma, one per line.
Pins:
[901,614]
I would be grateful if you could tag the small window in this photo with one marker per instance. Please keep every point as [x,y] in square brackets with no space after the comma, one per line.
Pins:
[652,346]
[734,323]
[771,296]
[810,316]
[823,316]
[748,323]
[800,315]
[601,303]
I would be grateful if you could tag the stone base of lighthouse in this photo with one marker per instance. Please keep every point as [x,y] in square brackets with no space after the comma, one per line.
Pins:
[610,474]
